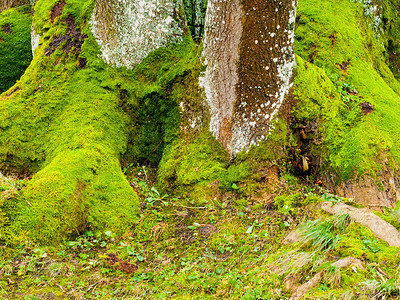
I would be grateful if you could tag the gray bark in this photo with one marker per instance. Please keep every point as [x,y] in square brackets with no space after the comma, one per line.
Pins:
[5,4]
[128,31]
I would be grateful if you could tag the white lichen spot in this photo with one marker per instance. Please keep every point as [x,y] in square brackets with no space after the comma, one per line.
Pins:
[137,28]
[35,38]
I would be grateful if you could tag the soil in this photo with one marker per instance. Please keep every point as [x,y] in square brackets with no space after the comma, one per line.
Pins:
[74,40]
[366,108]
[6,28]
[57,10]
[205,231]
[119,264]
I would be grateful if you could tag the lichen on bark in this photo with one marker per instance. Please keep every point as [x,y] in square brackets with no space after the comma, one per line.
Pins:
[128,31]
[248,50]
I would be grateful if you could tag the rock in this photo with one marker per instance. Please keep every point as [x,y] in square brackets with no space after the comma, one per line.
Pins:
[291,238]
[304,288]
[291,282]
[380,228]
[349,261]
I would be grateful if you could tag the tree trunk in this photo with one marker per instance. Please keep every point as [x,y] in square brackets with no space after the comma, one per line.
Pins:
[4,4]
[128,31]
[248,50]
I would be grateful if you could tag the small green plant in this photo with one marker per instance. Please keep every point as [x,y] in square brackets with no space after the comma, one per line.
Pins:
[335,199]
[138,254]
[383,288]
[89,241]
[371,245]
[155,196]
[322,234]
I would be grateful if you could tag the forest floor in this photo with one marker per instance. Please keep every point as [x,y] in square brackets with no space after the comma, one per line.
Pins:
[288,248]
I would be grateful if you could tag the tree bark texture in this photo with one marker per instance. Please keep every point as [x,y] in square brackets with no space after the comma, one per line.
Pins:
[4,4]
[248,50]
[195,11]
[128,31]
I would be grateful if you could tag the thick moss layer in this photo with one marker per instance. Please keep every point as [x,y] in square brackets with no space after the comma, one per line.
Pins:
[73,118]
[64,124]
[341,39]
[15,45]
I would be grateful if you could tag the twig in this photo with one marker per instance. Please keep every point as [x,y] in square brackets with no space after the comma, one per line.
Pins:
[189,207]
[383,273]
[61,288]
[162,140]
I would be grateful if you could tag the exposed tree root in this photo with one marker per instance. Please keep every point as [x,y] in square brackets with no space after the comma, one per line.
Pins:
[380,228]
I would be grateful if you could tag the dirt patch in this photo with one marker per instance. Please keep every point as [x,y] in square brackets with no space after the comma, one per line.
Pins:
[344,66]
[119,264]
[6,28]
[73,40]
[186,235]
[367,108]
[57,10]
[205,231]
[374,192]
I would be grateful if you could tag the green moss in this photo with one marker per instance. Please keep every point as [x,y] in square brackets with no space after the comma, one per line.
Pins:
[392,35]
[69,125]
[339,39]
[15,45]
[152,93]
[285,203]
[187,163]
[360,242]
[66,125]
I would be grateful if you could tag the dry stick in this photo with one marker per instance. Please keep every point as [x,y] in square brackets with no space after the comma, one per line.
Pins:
[61,288]
[153,151]
[382,272]
[189,207]
[94,285]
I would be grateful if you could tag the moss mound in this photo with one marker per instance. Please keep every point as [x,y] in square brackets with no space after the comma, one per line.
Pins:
[15,45]
[359,109]
[73,118]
